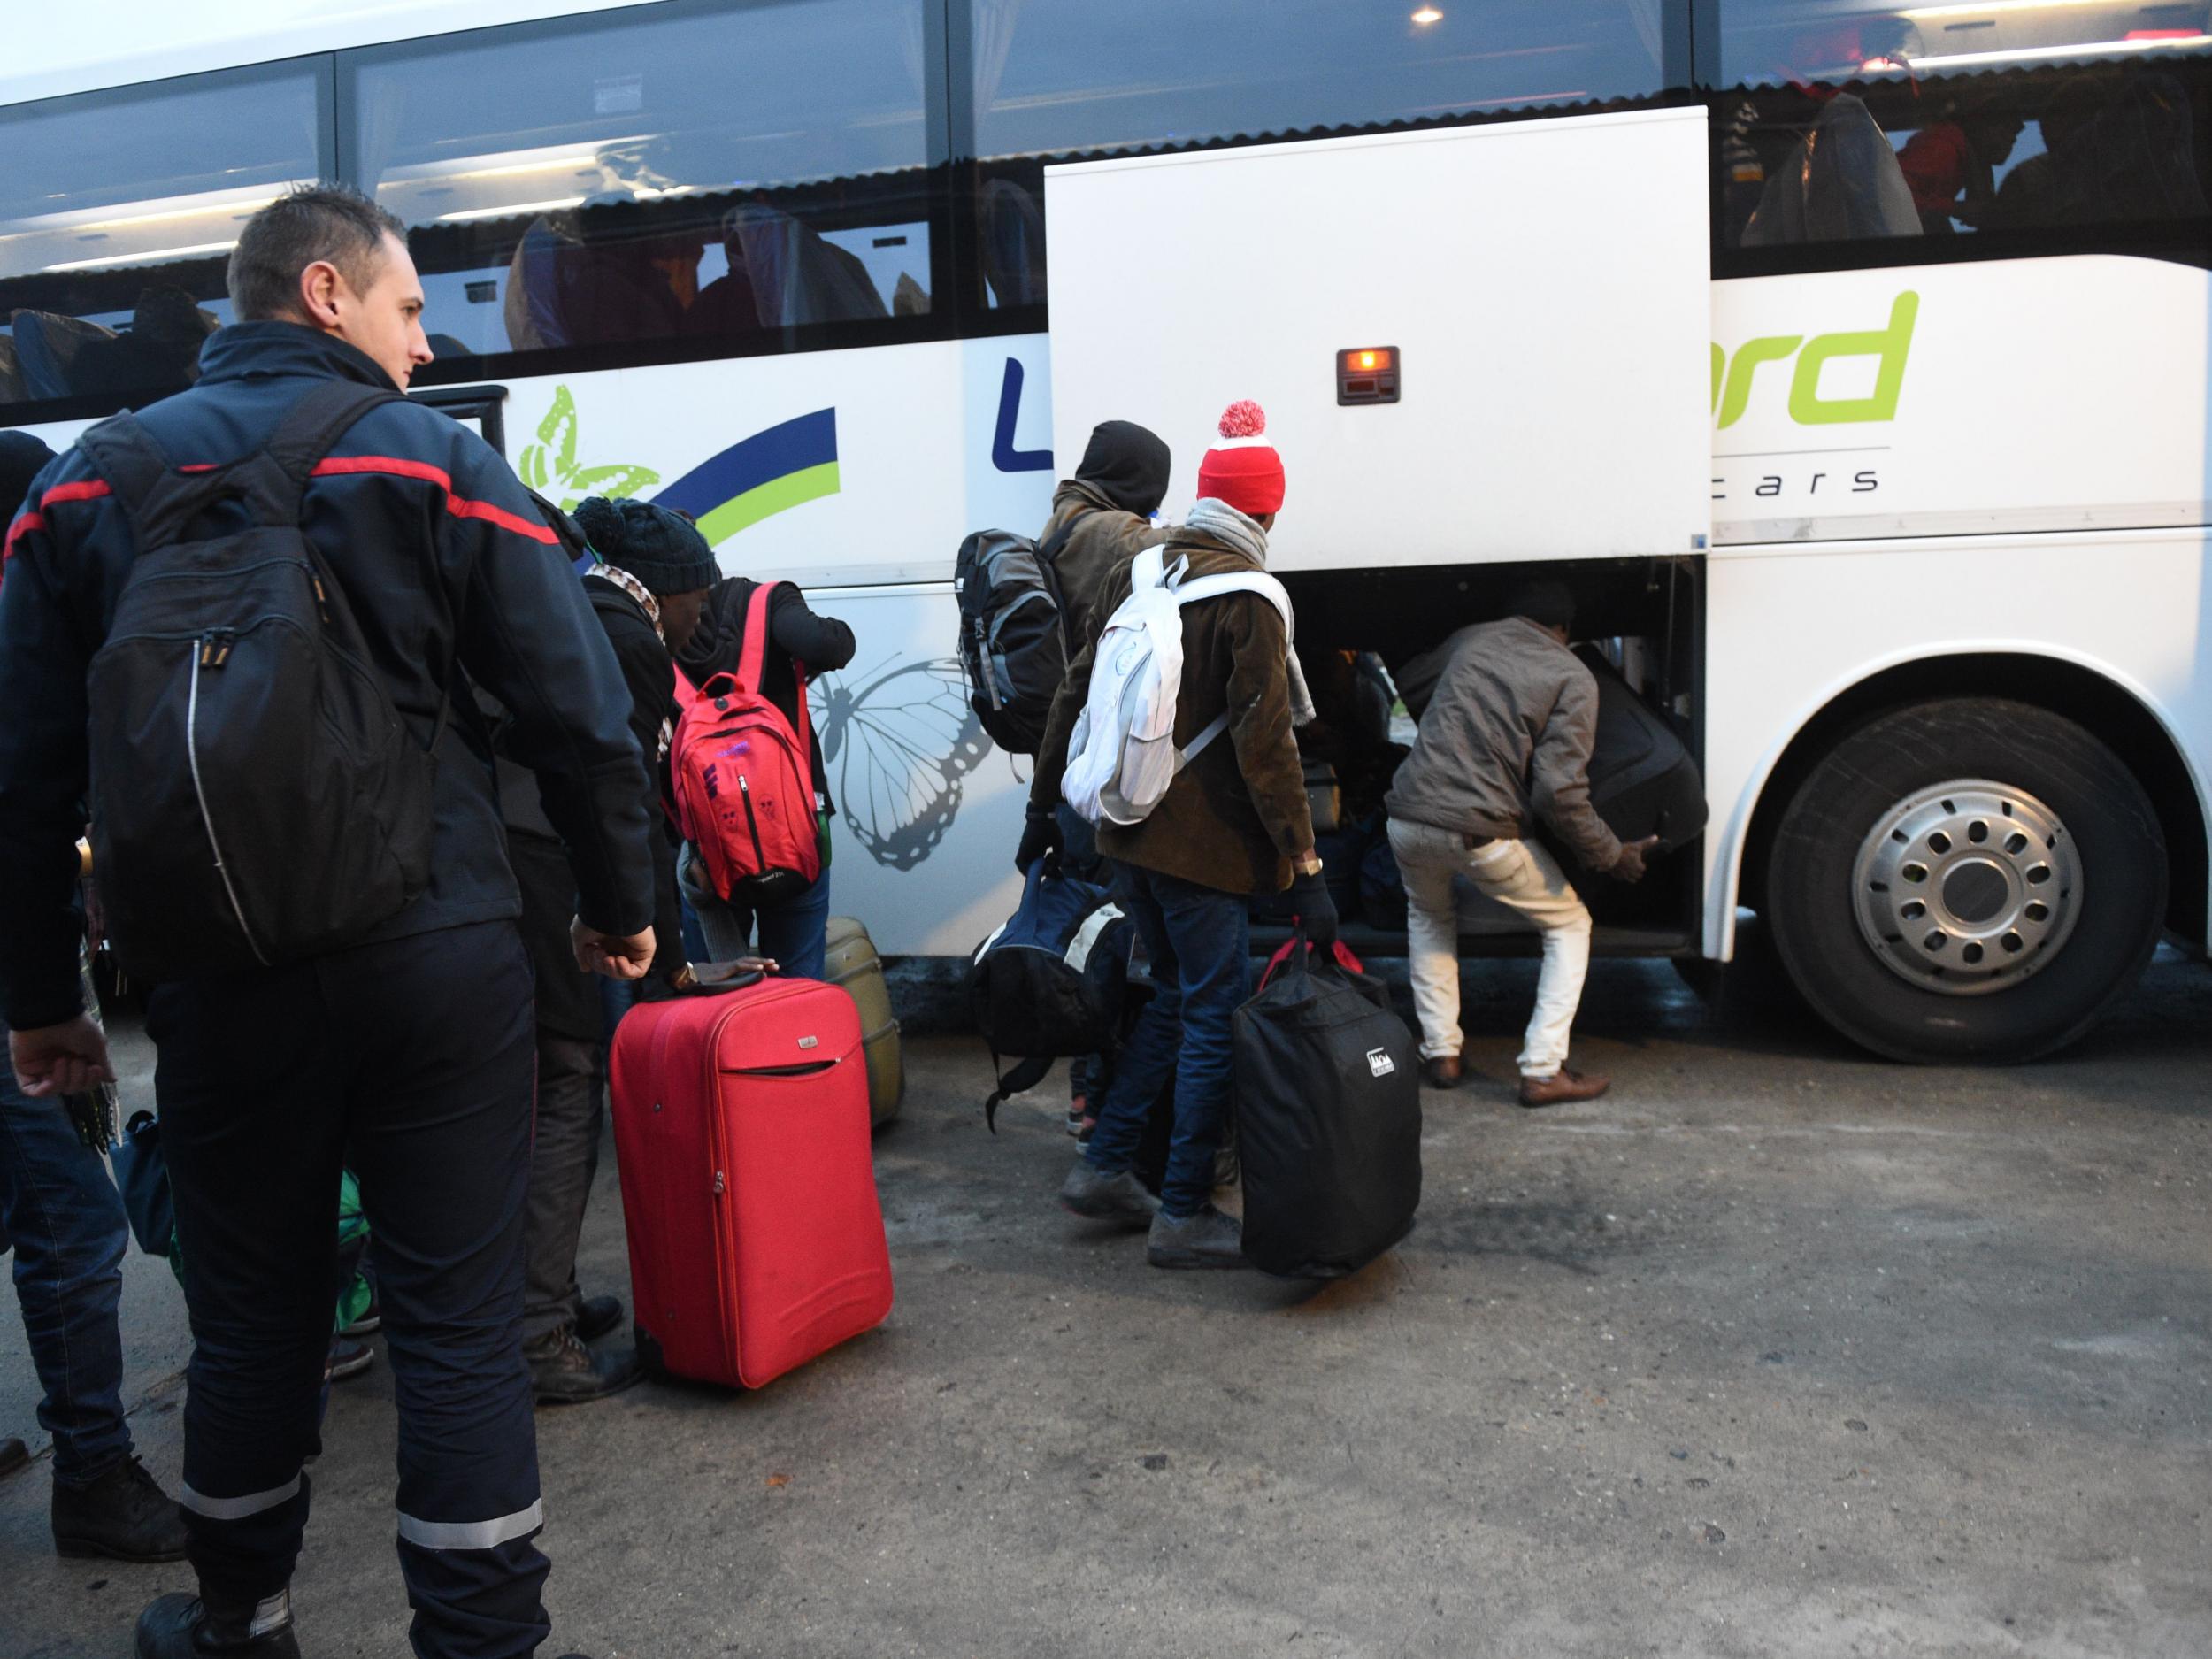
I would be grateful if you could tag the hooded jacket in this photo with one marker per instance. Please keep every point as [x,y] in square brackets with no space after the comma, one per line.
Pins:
[1099,519]
[448,567]
[1236,816]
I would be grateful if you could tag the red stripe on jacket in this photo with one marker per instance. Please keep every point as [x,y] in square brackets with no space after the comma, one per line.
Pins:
[459,506]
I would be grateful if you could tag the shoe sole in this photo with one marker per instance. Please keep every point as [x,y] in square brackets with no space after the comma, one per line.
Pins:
[86,1549]
[585,1400]
[1176,1260]
[1129,1218]
[340,1373]
[364,1328]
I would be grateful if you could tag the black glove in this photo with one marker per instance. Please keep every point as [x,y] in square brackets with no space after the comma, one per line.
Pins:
[1040,834]
[1316,910]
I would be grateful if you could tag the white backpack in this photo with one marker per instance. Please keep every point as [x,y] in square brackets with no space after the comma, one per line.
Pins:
[1123,757]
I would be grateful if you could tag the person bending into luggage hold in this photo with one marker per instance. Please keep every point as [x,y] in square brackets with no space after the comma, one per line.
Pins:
[406,1051]
[1234,823]
[1505,742]
[790,931]
[1100,518]
[647,593]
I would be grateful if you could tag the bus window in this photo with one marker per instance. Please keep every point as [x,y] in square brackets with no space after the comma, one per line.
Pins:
[118,212]
[2016,120]
[654,175]
[1055,77]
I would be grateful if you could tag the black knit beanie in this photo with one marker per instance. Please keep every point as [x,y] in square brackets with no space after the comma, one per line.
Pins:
[22,458]
[1128,462]
[661,549]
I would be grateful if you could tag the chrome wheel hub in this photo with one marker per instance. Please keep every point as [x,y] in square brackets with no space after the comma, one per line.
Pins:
[1967,887]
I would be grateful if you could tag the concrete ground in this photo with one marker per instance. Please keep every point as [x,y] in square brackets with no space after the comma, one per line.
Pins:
[1779,1351]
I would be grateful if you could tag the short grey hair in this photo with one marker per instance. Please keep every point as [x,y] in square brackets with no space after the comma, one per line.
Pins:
[329,222]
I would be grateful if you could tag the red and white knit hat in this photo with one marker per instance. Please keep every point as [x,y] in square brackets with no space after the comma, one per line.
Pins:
[1243,469]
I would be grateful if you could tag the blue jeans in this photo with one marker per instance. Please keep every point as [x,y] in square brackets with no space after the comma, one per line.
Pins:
[62,1213]
[794,933]
[1199,944]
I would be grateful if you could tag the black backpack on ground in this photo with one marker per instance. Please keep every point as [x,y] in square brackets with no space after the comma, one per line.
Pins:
[1327,1099]
[256,797]
[1013,636]
[1051,982]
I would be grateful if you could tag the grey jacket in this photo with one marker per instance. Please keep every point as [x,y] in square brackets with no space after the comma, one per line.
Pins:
[1506,735]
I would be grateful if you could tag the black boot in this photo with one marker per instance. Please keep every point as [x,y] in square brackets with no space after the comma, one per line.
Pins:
[124,1516]
[185,1627]
[565,1372]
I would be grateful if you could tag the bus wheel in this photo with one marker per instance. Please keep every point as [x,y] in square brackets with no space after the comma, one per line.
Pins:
[1967,879]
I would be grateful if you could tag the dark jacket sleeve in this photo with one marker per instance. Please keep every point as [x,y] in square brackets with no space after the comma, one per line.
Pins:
[44,764]
[1259,720]
[1559,772]
[651,676]
[527,635]
[823,643]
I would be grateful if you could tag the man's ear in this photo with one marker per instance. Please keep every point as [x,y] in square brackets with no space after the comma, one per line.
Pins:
[319,284]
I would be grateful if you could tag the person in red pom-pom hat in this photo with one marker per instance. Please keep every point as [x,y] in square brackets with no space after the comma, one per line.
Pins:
[1243,468]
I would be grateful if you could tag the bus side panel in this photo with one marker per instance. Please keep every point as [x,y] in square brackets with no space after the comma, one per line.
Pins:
[1543,284]
[1791,629]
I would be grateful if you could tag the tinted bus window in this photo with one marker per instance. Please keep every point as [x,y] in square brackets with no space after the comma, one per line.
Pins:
[1054,78]
[2015,120]
[118,212]
[721,175]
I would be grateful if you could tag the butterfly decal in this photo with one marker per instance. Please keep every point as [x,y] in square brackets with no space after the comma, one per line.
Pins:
[902,747]
[550,463]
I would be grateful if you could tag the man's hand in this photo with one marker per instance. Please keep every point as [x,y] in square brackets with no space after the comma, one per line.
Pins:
[1630,865]
[618,957]
[65,1059]
[1041,835]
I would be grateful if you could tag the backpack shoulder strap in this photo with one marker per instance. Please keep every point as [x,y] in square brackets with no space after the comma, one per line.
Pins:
[753,658]
[1239,582]
[312,426]
[135,468]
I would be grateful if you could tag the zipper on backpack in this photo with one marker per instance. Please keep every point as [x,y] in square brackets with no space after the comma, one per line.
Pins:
[214,646]
[322,599]
[752,824]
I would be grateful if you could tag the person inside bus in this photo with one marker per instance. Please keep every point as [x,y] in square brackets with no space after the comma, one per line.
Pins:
[1503,744]
[647,591]
[1234,822]
[1951,165]
[1101,517]
[793,933]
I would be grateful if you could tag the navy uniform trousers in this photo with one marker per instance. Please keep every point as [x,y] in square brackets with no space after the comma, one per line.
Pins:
[411,1060]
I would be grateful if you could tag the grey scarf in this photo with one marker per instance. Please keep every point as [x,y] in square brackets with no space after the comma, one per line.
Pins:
[1225,525]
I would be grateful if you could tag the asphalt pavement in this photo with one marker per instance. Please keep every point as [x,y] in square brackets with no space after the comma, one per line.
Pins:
[1779,1351]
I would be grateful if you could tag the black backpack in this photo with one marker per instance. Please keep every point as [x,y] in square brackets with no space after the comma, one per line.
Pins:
[255,798]
[1012,638]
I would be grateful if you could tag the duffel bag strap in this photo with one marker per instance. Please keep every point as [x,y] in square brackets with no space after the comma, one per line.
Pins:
[1020,1080]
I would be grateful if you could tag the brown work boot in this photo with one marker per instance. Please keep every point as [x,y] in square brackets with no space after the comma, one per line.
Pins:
[1563,1086]
[1441,1071]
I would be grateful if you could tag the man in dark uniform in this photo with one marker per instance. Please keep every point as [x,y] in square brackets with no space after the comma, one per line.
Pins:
[407,1054]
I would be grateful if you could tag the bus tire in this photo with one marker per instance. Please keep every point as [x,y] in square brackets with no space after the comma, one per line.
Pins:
[1969,878]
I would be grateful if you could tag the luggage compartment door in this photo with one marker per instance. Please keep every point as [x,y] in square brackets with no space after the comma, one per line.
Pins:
[1542,288]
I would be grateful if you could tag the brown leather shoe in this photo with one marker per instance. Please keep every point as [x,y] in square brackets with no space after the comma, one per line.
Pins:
[1566,1085]
[1441,1071]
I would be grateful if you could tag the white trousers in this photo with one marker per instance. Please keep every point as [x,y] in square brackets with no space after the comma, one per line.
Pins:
[1520,875]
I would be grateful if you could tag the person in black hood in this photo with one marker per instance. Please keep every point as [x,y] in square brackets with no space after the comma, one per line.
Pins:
[791,931]
[646,590]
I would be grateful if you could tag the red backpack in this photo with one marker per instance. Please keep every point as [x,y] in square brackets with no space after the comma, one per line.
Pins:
[743,779]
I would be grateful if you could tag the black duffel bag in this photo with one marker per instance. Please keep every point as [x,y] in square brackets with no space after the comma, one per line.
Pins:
[1328,1113]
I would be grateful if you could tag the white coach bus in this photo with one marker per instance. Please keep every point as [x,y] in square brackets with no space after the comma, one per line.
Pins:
[1850,360]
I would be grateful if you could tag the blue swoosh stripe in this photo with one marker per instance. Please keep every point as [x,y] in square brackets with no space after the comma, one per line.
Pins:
[806,441]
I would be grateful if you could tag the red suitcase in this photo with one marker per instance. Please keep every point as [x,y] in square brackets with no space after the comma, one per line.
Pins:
[741,1121]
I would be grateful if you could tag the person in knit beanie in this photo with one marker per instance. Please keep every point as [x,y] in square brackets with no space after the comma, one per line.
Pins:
[1234,823]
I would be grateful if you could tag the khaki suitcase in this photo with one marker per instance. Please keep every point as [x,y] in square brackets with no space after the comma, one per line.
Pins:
[852,963]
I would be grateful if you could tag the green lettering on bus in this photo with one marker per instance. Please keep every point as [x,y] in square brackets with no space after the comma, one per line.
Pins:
[1732,379]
